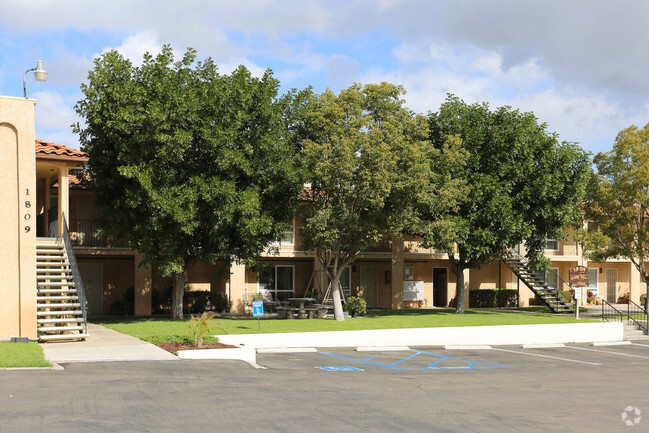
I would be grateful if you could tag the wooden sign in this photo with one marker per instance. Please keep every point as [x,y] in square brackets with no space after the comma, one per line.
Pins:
[578,276]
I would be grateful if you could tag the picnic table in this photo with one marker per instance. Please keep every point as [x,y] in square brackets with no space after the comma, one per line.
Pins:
[301,309]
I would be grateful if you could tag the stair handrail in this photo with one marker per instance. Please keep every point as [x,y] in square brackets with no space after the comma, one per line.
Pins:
[76,275]
[607,314]
[511,252]
[633,316]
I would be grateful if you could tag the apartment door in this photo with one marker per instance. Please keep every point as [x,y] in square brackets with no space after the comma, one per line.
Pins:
[611,285]
[369,285]
[440,287]
[92,276]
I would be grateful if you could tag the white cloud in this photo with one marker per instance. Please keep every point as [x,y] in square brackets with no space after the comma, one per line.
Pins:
[134,47]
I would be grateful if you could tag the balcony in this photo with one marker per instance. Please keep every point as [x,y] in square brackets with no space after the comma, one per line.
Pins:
[84,234]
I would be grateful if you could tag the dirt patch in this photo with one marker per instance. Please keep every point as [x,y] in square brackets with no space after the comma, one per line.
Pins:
[175,347]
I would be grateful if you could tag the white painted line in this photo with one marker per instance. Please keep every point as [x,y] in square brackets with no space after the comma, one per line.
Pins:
[458,347]
[547,356]
[542,346]
[610,343]
[607,351]
[287,350]
[382,348]
[639,344]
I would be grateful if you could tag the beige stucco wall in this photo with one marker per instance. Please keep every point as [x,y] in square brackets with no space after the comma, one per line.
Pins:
[17,218]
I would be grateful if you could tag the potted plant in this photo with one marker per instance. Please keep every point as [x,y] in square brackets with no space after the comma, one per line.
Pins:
[356,306]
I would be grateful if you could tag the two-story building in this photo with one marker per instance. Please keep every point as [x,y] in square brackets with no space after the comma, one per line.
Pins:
[44,203]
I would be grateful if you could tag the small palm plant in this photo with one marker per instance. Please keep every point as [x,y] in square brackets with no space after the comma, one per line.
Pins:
[199,326]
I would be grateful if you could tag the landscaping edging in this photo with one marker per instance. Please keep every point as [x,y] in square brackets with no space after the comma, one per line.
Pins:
[247,354]
[467,335]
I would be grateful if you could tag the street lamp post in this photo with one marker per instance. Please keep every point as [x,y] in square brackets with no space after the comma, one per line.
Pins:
[39,73]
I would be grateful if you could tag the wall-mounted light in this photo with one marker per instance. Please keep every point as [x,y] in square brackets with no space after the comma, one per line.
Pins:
[39,73]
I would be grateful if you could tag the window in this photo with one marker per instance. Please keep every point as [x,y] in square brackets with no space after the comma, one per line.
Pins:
[276,281]
[552,245]
[346,282]
[408,273]
[552,277]
[593,286]
[287,237]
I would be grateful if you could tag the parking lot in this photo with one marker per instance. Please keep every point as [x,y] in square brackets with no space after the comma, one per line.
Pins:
[508,388]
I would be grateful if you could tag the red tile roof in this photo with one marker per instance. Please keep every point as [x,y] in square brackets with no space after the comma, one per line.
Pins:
[46,148]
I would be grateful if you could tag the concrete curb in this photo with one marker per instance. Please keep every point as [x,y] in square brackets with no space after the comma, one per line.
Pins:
[461,336]
[247,354]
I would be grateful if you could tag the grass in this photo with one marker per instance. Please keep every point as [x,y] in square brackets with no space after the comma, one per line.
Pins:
[149,328]
[13,355]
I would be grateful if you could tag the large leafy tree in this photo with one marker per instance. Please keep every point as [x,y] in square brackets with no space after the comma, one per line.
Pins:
[368,160]
[618,202]
[524,185]
[187,164]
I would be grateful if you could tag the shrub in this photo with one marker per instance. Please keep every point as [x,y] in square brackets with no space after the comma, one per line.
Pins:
[198,327]
[197,302]
[488,298]
[221,302]
[643,297]
[355,306]
[125,306]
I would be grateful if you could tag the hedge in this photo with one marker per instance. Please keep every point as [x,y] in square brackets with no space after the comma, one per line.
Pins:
[488,298]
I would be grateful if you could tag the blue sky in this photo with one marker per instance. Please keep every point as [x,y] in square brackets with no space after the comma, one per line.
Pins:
[580,65]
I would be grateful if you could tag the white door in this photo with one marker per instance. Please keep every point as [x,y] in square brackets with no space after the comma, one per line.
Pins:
[611,285]
[369,285]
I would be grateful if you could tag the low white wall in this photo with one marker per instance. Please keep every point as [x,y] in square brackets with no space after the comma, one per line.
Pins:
[468,335]
[240,353]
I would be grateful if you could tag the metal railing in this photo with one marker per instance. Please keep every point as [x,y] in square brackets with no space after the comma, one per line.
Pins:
[85,233]
[610,313]
[562,290]
[638,315]
[634,313]
[76,275]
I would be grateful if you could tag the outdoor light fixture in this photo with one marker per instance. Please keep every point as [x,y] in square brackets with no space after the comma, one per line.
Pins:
[39,73]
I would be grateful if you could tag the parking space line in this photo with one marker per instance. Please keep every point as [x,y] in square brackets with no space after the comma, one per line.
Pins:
[608,351]
[639,344]
[547,356]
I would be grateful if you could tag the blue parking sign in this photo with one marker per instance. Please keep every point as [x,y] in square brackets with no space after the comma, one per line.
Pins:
[257,308]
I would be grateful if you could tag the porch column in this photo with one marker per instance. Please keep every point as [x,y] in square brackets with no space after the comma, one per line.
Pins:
[396,302]
[64,198]
[142,281]
[236,287]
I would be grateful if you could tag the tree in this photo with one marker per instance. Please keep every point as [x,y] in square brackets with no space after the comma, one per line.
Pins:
[368,158]
[524,186]
[618,202]
[187,164]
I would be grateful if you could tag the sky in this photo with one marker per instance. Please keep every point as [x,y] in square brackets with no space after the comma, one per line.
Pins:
[581,66]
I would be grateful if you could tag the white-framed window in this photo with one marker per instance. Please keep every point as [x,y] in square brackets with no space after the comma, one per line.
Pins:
[408,273]
[552,245]
[552,277]
[346,282]
[287,237]
[277,281]
[593,285]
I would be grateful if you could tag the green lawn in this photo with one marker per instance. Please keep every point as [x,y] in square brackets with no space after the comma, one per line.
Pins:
[22,355]
[156,327]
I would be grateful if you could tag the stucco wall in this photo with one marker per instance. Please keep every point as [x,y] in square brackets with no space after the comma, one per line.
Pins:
[17,218]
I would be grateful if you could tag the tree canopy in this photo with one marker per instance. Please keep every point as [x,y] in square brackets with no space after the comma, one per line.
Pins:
[186,163]
[524,185]
[618,201]
[369,161]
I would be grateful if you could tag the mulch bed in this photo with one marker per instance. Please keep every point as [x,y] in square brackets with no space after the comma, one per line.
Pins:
[175,347]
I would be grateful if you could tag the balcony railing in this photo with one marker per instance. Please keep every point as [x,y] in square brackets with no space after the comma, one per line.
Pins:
[84,233]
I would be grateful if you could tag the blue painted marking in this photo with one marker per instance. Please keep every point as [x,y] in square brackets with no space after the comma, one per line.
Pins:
[343,368]
[473,365]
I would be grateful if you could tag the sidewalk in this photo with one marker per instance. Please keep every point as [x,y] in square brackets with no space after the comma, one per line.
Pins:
[104,345]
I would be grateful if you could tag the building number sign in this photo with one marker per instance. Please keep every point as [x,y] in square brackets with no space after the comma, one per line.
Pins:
[27,216]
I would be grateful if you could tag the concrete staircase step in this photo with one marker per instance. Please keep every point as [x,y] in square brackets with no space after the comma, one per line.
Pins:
[60,328]
[63,337]
[64,320]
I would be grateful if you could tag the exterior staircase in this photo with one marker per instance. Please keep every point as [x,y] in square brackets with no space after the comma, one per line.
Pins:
[59,309]
[538,284]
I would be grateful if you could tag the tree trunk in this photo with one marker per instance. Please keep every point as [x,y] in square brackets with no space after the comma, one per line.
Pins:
[335,292]
[458,269]
[177,295]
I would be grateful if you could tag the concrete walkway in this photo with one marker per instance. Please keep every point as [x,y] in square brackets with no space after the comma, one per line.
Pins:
[104,345]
